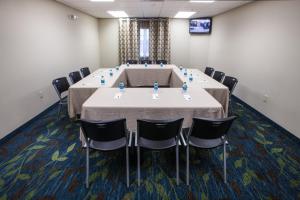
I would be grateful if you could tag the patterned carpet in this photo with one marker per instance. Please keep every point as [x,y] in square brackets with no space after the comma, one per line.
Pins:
[45,161]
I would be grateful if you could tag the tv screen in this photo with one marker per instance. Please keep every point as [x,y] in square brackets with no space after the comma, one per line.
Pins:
[201,25]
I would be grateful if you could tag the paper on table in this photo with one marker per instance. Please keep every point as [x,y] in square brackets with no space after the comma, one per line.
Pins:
[155,96]
[118,95]
[187,97]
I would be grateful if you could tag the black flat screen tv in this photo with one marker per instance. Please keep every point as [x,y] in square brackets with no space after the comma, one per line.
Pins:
[201,25]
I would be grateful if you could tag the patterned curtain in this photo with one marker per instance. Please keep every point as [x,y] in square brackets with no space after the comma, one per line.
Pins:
[129,36]
[129,39]
[159,40]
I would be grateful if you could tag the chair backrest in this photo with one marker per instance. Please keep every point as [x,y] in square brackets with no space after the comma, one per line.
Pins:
[161,61]
[104,130]
[210,128]
[132,62]
[230,82]
[60,85]
[85,71]
[146,61]
[159,129]
[75,76]
[218,76]
[209,71]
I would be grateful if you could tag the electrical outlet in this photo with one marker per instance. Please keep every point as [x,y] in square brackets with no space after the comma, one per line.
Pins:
[265,98]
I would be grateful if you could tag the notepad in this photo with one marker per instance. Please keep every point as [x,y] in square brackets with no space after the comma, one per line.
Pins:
[187,97]
[155,96]
[118,95]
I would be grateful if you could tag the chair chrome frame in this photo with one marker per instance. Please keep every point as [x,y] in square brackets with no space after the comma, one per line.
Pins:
[217,75]
[209,71]
[102,147]
[230,93]
[85,71]
[62,100]
[205,144]
[166,144]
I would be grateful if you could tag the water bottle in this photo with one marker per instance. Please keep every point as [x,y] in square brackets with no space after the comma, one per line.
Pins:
[127,64]
[117,68]
[185,72]
[191,78]
[146,64]
[121,86]
[180,67]
[161,64]
[155,87]
[111,72]
[184,87]
[102,80]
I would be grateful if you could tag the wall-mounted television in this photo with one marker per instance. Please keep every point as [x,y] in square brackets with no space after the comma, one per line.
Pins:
[201,25]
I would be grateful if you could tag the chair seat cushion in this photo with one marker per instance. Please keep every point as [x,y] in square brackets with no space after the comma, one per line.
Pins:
[205,143]
[156,144]
[108,145]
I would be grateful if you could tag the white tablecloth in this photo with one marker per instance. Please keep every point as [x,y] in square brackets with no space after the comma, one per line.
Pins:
[138,103]
[135,75]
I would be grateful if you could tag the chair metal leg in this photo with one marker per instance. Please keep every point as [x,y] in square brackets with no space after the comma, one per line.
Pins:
[188,165]
[59,110]
[138,165]
[87,166]
[224,159]
[177,164]
[127,165]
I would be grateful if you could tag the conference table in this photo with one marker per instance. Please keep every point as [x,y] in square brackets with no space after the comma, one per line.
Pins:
[94,100]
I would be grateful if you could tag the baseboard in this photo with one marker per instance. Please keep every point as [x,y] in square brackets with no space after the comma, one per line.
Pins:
[25,125]
[288,133]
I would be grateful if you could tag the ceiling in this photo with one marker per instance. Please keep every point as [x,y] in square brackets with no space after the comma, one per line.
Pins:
[152,8]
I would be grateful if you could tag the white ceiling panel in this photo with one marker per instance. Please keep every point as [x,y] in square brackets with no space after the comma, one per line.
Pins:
[152,8]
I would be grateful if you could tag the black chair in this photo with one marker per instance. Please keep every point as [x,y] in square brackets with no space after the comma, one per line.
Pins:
[61,85]
[207,134]
[158,135]
[85,71]
[209,71]
[218,76]
[161,61]
[106,136]
[230,82]
[132,62]
[146,61]
[75,77]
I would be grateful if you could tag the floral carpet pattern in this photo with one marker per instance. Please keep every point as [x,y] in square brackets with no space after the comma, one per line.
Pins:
[45,161]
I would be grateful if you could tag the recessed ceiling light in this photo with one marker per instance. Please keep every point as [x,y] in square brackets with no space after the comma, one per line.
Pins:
[182,14]
[102,0]
[201,1]
[118,13]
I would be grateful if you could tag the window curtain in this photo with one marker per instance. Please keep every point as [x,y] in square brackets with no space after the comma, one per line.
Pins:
[159,47]
[129,46]
[129,37]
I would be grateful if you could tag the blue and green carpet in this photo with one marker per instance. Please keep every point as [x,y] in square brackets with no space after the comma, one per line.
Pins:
[45,161]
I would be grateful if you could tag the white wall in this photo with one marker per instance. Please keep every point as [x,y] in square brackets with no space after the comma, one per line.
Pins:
[109,42]
[259,43]
[186,49]
[37,44]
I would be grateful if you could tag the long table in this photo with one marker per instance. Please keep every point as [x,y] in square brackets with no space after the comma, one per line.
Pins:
[139,103]
[139,75]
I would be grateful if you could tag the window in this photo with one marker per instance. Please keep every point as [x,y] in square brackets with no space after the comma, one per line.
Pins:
[144,42]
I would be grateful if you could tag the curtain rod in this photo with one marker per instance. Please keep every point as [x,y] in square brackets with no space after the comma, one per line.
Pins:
[144,19]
